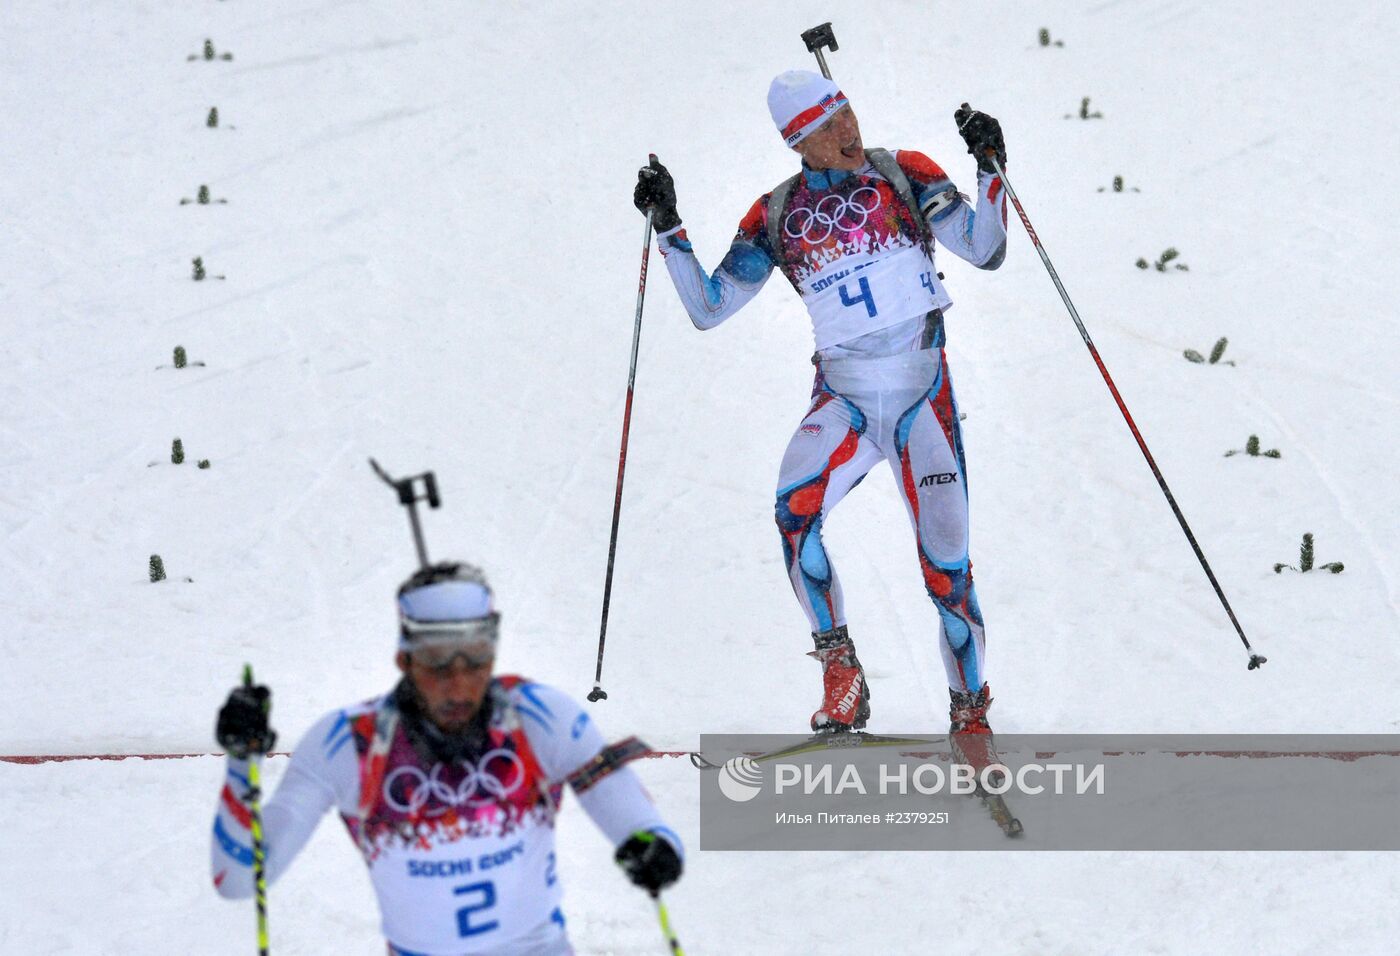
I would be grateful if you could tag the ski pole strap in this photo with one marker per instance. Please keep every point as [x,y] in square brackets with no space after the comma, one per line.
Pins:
[609,759]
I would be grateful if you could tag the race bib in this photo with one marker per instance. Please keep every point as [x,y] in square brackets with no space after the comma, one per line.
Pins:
[469,895]
[869,291]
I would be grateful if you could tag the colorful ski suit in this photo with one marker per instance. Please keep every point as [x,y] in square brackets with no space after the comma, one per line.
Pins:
[853,251]
[461,854]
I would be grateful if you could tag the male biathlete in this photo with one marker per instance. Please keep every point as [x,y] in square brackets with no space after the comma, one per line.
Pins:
[855,232]
[449,785]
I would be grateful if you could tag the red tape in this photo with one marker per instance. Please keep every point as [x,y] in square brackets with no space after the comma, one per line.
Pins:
[28,759]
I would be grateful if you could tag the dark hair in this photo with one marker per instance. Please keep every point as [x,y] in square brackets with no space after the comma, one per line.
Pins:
[444,571]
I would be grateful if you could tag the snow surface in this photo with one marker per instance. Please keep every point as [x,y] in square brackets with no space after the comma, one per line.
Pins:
[431,256]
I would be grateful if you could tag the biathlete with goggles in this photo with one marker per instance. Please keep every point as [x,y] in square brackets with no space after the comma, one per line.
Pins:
[449,785]
[854,232]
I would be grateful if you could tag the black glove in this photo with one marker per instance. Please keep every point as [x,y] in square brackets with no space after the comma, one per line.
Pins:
[242,729]
[982,133]
[656,189]
[649,861]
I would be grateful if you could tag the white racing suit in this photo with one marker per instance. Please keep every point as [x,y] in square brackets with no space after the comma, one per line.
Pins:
[461,854]
[852,249]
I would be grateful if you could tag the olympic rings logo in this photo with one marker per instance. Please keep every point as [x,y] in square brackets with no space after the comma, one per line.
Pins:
[831,213]
[499,773]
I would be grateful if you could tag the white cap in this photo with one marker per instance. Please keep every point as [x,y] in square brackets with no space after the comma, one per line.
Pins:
[801,102]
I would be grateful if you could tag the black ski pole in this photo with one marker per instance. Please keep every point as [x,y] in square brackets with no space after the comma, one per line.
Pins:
[597,693]
[1255,659]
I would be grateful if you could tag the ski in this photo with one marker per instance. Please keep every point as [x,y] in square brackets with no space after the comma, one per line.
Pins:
[994,803]
[1001,814]
[828,741]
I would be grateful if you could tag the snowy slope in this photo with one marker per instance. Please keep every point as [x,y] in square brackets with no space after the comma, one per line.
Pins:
[430,257]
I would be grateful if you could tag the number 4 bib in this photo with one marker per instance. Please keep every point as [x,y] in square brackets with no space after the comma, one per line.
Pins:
[866,292]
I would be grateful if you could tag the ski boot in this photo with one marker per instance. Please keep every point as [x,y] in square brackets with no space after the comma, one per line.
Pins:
[845,694]
[969,734]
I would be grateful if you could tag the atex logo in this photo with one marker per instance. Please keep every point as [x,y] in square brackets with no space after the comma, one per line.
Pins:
[740,779]
[945,478]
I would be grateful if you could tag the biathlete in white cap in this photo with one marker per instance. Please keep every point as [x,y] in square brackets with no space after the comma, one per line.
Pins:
[449,785]
[854,233]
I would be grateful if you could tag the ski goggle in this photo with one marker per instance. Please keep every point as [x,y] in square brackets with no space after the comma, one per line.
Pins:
[436,644]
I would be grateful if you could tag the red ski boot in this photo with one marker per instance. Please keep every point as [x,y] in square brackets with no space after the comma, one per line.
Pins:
[969,734]
[845,695]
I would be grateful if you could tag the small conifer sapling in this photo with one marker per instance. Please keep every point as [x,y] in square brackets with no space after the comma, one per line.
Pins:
[1254,449]
[1305,560]
[1084,113]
